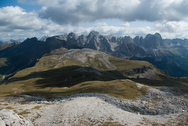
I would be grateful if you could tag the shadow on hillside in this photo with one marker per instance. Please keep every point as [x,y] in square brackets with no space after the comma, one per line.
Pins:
[27,53]
[167,81]
[68,76]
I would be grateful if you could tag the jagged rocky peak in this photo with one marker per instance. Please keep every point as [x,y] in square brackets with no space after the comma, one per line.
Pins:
[127,39]
[93,34]
[62,37]
[114,39]
[72,38]
[104,44]
[82,40]
[158,35]
[82,37]
[58,37]
[139,40]
[34,39]
[30,41]
[153,41]
[72,35]
[136,39]
[111,38]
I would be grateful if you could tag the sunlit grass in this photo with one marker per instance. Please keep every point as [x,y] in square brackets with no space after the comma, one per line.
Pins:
[55,76]
[117,88]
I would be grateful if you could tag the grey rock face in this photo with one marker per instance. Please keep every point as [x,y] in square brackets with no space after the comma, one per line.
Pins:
[128,50]
[72,38]
[150,41]
[82,40]
[98,42]
[2,122]
[93,34]
[10,118]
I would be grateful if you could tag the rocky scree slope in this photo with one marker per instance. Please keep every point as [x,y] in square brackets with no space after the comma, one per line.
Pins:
[159,106]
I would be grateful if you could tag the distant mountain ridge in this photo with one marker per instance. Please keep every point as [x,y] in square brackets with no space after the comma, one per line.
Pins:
[108,44]
[166,54]
[138,48]
[22,55]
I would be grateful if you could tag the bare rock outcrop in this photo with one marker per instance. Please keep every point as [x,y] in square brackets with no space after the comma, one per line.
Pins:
[10,118]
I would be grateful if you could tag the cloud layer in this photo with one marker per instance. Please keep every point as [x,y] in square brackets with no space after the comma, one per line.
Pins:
[79,11]
[168,17]
[15,18]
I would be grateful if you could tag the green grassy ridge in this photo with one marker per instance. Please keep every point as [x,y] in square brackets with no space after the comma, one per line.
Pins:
[48,84]
[125,89]
[3,63]
[66,76]
[52,75]
[6,45]
[124,64]
[54,60]
[29,85]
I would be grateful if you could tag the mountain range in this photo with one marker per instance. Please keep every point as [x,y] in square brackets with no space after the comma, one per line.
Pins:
[41,77]
[166,54]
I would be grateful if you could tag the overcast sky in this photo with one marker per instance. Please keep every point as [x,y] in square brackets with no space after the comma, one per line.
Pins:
[29,18]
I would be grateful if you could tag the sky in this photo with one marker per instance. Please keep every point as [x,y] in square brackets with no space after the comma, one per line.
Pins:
[36,18]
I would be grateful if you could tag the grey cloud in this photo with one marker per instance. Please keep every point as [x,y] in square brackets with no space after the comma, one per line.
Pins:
[165,27]
[59,16]
[82,11]
[3,23]
[127,10]
[172,27]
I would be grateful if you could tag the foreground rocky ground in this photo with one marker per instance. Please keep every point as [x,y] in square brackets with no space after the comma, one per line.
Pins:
[160,106]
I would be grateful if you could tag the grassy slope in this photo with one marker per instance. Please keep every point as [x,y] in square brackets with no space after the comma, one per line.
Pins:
[53,61]
[124,65]
[3,62]
[51,77]
[6,45]
[119,88]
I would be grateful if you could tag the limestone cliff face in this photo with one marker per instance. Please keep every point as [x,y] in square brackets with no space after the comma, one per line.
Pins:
[150,41]
[127,48]
[98,42]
